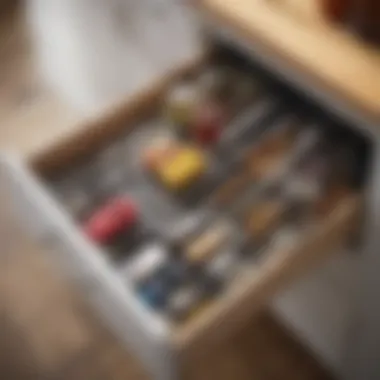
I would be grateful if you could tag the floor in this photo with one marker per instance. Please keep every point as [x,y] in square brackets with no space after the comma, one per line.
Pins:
[48,331]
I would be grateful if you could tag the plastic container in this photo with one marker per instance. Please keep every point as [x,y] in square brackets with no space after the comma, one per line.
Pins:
[336,10]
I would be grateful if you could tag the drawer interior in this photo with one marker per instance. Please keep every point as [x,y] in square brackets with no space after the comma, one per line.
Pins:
[211,193]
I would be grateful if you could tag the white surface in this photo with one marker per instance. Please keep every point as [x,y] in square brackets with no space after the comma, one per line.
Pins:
[320,308]
[94,52]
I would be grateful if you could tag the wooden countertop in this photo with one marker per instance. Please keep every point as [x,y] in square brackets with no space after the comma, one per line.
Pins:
[295,33]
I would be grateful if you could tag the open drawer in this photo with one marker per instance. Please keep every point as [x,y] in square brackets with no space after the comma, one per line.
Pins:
[159,340]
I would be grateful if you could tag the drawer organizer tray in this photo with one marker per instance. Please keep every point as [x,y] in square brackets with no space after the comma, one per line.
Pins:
[106,159]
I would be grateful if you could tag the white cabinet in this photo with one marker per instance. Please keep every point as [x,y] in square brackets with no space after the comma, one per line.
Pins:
[321,308]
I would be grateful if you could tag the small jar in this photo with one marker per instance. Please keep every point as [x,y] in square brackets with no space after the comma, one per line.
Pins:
[367,19]
[336,10]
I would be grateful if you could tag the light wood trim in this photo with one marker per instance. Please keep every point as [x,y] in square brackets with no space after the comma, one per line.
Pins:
[256,288]
[89,135]
[329,56]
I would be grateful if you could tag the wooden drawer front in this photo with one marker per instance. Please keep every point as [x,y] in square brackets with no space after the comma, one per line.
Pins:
[257,288]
